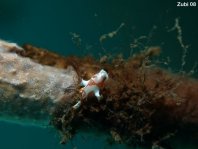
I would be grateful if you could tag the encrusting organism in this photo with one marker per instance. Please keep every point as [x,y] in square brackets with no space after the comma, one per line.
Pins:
[143,104]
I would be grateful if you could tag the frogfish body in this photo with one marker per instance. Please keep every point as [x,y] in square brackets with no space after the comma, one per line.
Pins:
[93,85]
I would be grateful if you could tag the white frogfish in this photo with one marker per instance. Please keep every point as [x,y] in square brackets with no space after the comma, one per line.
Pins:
[93,85]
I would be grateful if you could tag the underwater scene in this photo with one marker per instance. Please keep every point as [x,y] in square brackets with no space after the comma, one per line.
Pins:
[98,74]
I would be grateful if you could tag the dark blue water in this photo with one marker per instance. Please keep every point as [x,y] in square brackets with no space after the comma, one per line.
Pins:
[48,24]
